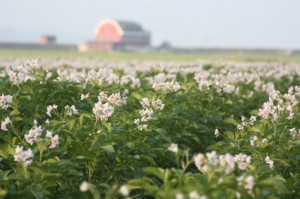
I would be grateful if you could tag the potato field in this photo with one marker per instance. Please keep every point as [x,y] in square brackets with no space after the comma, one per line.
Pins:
[84,128]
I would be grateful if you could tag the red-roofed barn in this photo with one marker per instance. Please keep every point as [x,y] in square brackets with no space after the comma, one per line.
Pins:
[112,35]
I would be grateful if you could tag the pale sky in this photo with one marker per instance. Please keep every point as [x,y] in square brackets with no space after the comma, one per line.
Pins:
[187,23]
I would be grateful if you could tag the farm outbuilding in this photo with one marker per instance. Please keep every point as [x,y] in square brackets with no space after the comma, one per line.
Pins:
[113,34]
[47,39]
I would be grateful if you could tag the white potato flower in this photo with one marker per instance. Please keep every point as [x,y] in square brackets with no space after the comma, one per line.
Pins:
[5,123]
[124,190]
[84,186]
[173,148]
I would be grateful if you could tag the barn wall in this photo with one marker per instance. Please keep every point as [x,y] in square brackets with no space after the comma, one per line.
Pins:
[108,33]
[139,40]
[96,46]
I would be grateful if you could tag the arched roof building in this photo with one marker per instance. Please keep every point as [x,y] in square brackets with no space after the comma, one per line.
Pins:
[113,34]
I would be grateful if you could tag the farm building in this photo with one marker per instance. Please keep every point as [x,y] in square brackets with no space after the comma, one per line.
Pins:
[117,35]
[47,39]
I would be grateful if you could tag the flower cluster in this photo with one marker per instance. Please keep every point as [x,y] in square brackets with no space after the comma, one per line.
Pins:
[254,138]
[277,105]
[23,72]
[71,110]
[5,123]
[166,87]
[147,112]
[269,162]
[115,99]
[161,77]
[83,97]
[242,161]
[134,81]
[217,132]
[100,76]
[34,135]
[5,101]
[23,156]
[54,139]
[247,182]
[219,82]
[50,109]
[211,162]
[104,108]
[294,133]
[245,123]
[202,79]
[103,111]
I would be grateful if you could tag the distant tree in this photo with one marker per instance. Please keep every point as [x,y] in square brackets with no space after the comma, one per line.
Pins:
[165,46]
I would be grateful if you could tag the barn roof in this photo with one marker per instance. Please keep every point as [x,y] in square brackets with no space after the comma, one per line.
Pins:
[130,26]
[123,27]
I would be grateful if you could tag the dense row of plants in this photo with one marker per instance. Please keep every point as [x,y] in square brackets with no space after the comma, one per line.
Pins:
[148,130]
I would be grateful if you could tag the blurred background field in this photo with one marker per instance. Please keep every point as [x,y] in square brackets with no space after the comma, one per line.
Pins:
[150,56]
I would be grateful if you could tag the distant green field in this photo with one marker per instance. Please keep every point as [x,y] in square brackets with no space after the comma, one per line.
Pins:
[4,53]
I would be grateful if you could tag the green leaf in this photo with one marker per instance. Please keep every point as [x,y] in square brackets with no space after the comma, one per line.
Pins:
[14,112]
[2,193]
[144,183]
[219,146]
[254,129]
[6,150]
[28,88]
[71,124]
[148,159]
[254,112]
[229,134]
[158,172]
[277,183]
[161,131]
[82,116]
[231,121]
[57,122]
[135,184]
[281,162]
[107,125]
[229,102]
[167,175]
[136,95]
[106,186]
[36,170]
[51,161]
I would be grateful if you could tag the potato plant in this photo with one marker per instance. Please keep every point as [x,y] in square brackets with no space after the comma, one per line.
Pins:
[149,130]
